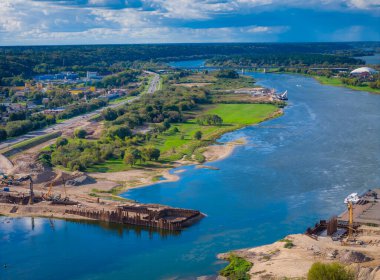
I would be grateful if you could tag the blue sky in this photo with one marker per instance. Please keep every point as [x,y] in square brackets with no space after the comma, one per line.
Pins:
[36,22]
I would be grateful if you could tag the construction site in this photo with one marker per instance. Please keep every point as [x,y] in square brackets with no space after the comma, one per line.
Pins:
[63,197]
[352,238]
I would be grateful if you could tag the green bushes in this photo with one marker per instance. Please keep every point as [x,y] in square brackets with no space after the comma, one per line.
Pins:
[119,131]
[3,134]
[80,133]
[288,243]
[227,74]
[209,120]
[61,141]
[81,108]
[198,135]
[237,269]
[81,155]
[331,271]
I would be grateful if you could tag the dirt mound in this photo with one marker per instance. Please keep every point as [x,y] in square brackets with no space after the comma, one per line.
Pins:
[354,257]
[81,180]
[27,164]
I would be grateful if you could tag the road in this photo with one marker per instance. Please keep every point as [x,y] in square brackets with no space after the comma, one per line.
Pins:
[155,82]
[79,120]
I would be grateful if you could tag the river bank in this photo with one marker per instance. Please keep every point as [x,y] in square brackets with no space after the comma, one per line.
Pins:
[103,194]
[278,261]
[291,172]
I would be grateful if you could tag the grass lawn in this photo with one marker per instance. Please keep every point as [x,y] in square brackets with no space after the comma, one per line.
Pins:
[243,114]
[174,146]
[338,82]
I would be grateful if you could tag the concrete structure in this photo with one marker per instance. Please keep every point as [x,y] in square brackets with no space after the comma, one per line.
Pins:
[93,75]
[363,71]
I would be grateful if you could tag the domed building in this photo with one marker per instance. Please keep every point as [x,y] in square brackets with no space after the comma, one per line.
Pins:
[363,72]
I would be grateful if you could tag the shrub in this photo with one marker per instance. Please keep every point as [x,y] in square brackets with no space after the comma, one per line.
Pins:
[61,141]
[288,243]
[198,135]
[3,134]
[80,133]
[334,271]
[119,131]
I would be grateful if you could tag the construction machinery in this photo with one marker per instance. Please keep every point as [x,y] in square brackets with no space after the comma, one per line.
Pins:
[31,193]
[350,200]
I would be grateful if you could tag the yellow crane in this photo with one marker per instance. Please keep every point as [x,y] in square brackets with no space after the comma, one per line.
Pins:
[350,200]
[350,219]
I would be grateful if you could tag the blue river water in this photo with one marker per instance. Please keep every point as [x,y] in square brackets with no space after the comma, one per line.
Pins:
[293,171]
[371,59]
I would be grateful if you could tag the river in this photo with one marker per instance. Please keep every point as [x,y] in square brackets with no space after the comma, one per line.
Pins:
[293,171]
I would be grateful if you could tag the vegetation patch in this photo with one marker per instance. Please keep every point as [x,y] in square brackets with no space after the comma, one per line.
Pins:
[27,144]
[237,269]
[323,271]
[333,81]
[288,243]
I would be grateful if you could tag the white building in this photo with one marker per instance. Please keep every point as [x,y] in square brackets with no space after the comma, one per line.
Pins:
[363,71]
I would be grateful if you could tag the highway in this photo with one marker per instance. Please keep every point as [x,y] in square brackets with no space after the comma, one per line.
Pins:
[79,120]
[155,82]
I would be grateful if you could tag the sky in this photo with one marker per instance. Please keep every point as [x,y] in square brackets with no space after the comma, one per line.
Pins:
[55,22]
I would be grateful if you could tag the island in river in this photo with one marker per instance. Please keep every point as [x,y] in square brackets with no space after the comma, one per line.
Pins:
[292,171]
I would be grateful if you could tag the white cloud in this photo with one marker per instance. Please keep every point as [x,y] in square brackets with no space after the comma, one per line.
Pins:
[54,22]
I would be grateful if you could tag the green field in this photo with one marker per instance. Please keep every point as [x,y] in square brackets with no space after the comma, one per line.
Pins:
[337,82]
[243,114]
[174,146]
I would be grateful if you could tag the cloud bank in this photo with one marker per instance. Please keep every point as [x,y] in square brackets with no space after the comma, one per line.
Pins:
[27,22]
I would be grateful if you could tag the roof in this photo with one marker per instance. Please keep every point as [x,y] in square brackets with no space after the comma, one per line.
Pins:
[364,70]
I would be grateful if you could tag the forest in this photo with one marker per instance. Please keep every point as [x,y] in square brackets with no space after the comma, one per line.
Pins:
[20,63]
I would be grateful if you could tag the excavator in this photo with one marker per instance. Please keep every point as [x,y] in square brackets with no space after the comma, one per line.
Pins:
[9,180]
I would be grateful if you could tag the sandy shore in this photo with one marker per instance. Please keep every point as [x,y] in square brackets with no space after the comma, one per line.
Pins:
[137,178]
[273,261]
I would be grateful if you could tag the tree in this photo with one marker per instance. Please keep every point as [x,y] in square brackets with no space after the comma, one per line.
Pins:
[109,114]
[209,120]
[136,154]
[323,271]
[119,131]
[129,159]
[227,74]
[80,133]
[3,134]
[45,159]
[198,135]
[61,141]
[150,153]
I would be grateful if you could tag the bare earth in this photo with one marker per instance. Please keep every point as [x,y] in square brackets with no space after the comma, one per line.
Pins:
[276,262]
[5,164]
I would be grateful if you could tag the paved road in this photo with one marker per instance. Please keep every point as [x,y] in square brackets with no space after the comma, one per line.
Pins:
[79,120]
[154,84]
